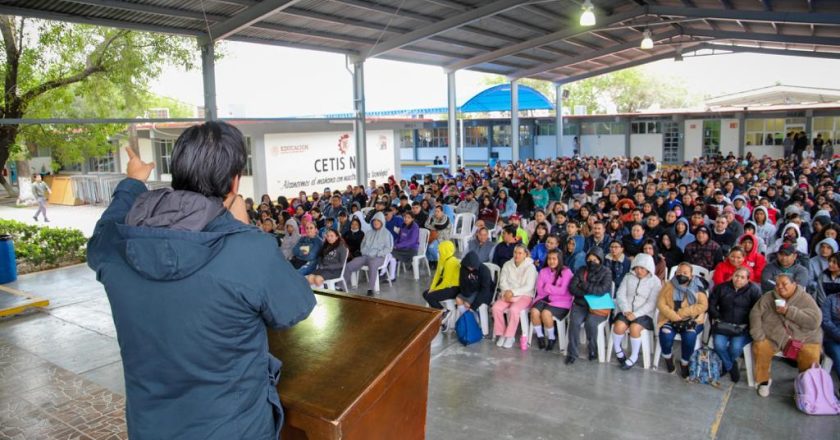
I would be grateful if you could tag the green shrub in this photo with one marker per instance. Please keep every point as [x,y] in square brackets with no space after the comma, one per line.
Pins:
[38,248]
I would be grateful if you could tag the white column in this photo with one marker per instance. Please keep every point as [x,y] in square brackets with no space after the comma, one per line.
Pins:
[359,122]
[453,123]
[558,105]
[514,120]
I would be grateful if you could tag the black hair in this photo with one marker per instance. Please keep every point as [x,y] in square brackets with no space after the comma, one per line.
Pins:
[207,157]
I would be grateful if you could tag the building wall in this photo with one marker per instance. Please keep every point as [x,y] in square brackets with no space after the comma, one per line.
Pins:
[693,140]
[729,136]
[646,145]
[774,151]
[609,145]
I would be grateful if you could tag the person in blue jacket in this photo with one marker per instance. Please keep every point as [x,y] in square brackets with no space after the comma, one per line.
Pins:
[306,251]
[192,288]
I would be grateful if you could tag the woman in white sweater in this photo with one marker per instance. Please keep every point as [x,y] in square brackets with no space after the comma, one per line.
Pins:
[635,301]
[517,284]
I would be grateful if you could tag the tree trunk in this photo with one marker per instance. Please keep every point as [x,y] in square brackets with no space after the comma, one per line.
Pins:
[8,134]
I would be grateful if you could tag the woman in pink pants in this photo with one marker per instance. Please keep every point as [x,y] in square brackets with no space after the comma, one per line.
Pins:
[517,283]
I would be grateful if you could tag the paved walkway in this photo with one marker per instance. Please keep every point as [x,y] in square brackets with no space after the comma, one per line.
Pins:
[81,217]
[61,378]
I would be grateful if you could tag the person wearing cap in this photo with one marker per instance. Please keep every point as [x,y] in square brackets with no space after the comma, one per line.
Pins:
[521,234]
[469,205]
[783,261]
[703,251]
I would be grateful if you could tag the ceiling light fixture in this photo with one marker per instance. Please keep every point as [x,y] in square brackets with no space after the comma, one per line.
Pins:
[587,18]
[647,42]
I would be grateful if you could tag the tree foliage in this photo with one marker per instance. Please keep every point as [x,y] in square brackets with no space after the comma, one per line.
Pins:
[62,70]
[624,91]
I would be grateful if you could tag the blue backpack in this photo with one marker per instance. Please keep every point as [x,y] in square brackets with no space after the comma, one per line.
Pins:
[467,329]
[704,367]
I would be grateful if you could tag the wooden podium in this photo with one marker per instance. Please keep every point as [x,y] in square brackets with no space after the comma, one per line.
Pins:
[356,368]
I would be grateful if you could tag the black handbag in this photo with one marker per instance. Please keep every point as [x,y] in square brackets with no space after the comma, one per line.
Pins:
[728,329]
[681,326]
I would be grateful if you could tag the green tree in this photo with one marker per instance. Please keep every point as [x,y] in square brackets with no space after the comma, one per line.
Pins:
[630,90]
[57,69]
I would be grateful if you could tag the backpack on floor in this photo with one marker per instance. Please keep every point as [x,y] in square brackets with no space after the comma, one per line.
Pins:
[815,392]
[467,329]
[704,367]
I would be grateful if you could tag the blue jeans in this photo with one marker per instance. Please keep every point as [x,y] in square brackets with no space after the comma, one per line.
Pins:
[729,348]
[688,338]
[832,350]
[308,268]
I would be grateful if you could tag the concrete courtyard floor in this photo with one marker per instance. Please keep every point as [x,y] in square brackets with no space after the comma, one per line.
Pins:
[61,378]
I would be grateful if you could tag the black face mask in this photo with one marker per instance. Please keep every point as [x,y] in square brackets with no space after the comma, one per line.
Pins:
[592,265]
[682,279]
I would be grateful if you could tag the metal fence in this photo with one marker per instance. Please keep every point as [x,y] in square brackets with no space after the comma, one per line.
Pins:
[97,189]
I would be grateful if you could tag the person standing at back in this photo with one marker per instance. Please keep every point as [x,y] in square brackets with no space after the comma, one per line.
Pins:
[192,288]
[40,190]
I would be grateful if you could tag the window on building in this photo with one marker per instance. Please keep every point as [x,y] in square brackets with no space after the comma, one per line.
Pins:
[645,127]
[764,132]
[406,138]
[711,137]
[440,137]
[670,142]
[424,138]
[601,128]
[571,130]
[525,135]
[475,137]
[163,148]
[546,128]
[501,135]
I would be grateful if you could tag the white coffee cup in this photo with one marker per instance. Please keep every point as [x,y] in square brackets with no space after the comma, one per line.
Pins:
[780,302]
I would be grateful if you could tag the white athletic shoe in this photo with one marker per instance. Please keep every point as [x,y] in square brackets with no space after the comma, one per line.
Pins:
[509,342]
[501,341]
[764,390]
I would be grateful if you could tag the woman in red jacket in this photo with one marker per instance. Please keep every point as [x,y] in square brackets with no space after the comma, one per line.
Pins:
[753,259]
[725,269]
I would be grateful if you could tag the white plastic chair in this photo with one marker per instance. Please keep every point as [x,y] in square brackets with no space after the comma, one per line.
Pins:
[647,341]
[562,326]
[462,231]
[658,350]
[366,270]
[484,310]
[330,284]
[366,210]
[421,255]
[600,339]
[826,364]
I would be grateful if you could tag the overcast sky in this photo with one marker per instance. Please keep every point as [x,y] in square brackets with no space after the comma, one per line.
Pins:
[256,80]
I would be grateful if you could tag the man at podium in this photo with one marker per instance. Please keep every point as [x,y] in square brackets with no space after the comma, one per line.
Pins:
[192,288]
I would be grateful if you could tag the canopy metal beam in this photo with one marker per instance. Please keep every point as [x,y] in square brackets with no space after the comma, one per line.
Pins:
[454,22]
[772,38]
[249,16]
[826,18]
[589,55]
[541,41]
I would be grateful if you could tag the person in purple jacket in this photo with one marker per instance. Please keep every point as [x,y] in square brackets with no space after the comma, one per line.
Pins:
[405,244]
[552,299]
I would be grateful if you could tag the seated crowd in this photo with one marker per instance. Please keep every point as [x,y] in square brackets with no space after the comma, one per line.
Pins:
[744,248]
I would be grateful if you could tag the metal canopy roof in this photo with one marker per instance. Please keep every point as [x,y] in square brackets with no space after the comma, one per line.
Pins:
[538,39]
[777,95]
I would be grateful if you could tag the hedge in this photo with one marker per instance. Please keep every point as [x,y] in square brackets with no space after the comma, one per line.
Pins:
[39,248]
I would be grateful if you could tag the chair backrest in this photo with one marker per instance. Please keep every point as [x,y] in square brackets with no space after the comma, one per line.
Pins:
[698,270]
[494,271]
[424,241]
[367,210]
[464,223]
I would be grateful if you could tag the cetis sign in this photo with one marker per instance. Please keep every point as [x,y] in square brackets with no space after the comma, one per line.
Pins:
[311,161]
